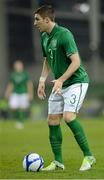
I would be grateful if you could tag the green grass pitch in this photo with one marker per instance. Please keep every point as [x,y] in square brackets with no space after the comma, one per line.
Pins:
[15,144]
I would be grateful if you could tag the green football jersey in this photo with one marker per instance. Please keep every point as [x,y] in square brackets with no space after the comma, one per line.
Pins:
[58,46]
[19,81]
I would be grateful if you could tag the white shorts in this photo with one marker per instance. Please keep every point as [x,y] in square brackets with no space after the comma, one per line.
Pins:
[17,101]
[70,99]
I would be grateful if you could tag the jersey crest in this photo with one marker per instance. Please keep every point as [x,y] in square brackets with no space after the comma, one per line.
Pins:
[53,43]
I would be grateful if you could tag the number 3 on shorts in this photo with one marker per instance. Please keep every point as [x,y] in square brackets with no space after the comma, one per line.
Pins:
[73,99]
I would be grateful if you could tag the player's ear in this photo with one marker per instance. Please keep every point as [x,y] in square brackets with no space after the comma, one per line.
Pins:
[47,20]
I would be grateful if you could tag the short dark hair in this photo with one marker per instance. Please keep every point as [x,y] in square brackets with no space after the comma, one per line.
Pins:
[46,11]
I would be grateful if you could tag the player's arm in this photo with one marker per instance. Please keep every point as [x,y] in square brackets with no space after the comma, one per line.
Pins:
[69,46]
[45,70]
[9,90]
[71,51]
[44,74]
[75,64]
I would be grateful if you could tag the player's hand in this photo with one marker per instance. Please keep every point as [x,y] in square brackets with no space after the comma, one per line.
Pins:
[41,90]
[57,86]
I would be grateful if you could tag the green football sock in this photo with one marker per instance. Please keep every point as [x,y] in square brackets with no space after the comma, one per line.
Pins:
[55,137]
[15,114]
[21,116]
[80,137]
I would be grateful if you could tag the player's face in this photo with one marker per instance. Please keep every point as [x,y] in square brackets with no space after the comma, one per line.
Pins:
[18,66]
[41,23]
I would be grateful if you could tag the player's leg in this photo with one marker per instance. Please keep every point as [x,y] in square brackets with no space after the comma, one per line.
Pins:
[14,105]
[74,97]
[55,135]
[79,134]
[24,105]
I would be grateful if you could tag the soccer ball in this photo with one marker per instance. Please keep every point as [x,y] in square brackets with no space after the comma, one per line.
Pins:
[33,162]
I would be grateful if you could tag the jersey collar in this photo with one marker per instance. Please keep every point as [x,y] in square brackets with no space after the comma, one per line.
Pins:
[54,30]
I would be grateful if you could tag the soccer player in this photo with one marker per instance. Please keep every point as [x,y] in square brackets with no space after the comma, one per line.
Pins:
[70,85]
[19,92]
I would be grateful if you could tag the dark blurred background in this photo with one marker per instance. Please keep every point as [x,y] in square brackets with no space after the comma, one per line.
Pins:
[20,40]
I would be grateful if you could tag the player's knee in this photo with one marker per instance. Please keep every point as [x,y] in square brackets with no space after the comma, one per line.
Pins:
[54,119]
[69,116]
